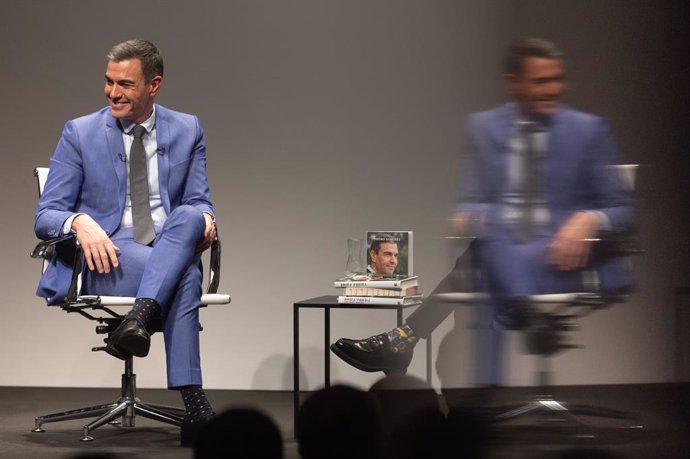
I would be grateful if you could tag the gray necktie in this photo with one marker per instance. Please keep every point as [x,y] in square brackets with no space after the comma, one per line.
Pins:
[144,232]
[529,186]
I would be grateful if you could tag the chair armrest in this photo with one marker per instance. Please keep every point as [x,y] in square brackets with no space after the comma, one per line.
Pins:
[214,298]
[46,249]
[616,245]
[214,268]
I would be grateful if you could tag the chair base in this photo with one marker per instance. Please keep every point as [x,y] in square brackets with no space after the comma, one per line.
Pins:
[123,411]
[577,421]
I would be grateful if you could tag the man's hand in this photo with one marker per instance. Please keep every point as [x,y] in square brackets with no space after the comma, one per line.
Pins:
[209,234]
[571,246]
[99,250]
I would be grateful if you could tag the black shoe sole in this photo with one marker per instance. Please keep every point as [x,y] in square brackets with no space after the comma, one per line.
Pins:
[112,350]
[135,345]
[362,366]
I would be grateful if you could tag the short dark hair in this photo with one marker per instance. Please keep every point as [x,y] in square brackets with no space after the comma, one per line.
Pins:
[521,49]
[382,239]
[147,53]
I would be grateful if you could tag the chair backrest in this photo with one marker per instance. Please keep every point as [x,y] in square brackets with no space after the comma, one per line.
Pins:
[41,174]
[627,174]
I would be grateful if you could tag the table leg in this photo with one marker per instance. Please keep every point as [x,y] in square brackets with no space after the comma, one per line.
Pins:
[295,360]
[326,346]
[428,359]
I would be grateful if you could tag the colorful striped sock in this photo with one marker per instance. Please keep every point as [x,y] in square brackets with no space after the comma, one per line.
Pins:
[402,338]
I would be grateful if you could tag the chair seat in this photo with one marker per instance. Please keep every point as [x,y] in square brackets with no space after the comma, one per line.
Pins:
[548,298]
[461,297]
[206,299]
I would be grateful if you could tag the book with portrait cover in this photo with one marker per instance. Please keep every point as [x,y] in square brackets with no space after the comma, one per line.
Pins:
[389,253]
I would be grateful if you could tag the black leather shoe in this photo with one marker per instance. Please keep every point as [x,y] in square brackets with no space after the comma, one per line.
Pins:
[112,350]
[373,354]
[130,338]
[189,432]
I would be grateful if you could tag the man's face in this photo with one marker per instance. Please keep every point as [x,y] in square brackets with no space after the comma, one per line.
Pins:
[386,260]
[538,87]
[129,95]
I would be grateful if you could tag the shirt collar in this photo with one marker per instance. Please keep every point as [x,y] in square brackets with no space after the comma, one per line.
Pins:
[149,124]
[518,121]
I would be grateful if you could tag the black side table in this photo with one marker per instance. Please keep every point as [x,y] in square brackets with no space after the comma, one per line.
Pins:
[328,302]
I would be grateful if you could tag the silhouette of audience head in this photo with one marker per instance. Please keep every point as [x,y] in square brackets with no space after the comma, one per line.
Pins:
[339,422]
[415,425]
[402,397]
[239,433]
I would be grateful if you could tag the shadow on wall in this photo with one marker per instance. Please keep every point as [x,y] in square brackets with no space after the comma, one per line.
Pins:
[276,370]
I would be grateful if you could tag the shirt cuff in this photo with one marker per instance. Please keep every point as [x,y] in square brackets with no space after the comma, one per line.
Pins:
[67,226]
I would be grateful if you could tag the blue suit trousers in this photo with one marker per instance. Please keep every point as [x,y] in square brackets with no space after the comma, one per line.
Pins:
[167,271]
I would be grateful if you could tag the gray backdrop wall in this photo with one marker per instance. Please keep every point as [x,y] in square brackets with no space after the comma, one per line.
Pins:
[325,119]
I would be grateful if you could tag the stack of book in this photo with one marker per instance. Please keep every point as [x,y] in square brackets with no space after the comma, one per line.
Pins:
[379,289]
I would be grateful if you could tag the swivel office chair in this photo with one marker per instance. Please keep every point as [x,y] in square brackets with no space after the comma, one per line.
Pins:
[545,320]
[101,309]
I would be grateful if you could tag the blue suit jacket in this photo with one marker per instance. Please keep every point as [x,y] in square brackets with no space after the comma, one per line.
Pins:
[575,176]
[87,175]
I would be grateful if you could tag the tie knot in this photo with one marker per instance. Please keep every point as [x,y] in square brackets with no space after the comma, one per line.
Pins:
[530,127]
[138,131]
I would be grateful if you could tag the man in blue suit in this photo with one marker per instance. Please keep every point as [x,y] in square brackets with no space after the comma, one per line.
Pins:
[537,188]
[145,248]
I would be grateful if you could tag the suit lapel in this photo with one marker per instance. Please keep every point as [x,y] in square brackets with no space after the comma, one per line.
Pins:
[558,149]
[500,135]
[562,164]
[163,150]
[555,144]
[117,154]
[499,128]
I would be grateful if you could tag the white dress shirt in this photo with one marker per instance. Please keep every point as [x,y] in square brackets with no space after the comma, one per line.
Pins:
[150,146]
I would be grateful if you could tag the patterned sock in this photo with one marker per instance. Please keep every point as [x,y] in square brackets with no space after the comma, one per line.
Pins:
[402,338]
[195,403]
[144,309]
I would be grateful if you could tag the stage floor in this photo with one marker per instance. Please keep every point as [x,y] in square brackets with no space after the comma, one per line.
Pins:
[663,409]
